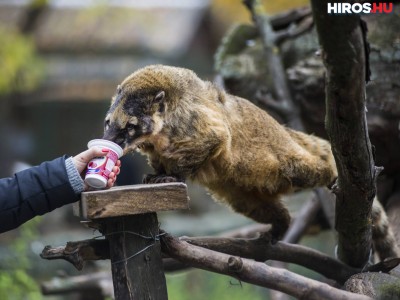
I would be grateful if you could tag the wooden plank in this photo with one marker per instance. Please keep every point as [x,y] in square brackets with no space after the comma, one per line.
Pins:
[132,200]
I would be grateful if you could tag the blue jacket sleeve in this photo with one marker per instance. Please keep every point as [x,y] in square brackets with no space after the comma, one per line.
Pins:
[34,192]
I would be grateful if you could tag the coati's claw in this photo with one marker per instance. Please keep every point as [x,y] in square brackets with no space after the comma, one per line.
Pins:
[151,178]
[335,187]
[267,236]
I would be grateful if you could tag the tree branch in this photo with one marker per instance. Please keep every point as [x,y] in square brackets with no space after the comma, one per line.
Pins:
[261,249]
[78,252]
[342,41]
[252,272]
[295,30]
[285,19]
[275,65]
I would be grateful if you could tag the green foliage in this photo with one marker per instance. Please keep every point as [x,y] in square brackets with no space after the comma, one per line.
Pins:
[21,69]
[199,285]
[38,3]
[15,281]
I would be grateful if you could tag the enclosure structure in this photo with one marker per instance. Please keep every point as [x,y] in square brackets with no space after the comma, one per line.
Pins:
[126,216]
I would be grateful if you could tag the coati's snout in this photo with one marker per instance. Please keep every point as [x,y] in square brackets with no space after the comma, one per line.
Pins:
[114,134]
[133,116]
[127,133]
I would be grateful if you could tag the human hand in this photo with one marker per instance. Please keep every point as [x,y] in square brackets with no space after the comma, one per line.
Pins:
[82,159]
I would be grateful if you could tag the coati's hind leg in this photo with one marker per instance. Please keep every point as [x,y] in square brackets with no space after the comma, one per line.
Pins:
[384,240]
[262,208]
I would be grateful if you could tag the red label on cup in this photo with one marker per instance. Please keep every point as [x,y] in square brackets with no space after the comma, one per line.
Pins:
[102,165]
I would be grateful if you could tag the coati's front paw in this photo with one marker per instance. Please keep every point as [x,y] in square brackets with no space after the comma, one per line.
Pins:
[274,236]
[278,231]
[151,178]
[269,237]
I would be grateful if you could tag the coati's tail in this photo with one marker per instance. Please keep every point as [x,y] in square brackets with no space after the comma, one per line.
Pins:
[384,240]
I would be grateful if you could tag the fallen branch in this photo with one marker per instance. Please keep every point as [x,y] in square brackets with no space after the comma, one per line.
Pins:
[252,272]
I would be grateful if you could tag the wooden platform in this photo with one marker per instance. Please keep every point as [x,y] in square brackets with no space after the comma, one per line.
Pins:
[131,200]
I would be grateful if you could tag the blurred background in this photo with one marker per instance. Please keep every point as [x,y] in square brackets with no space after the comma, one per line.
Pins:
[60,63]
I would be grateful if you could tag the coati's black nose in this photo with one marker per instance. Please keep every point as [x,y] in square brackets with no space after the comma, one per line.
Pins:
[115,136]
[119,141]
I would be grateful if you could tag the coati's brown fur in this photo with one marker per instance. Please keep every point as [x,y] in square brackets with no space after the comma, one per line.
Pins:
[189,128]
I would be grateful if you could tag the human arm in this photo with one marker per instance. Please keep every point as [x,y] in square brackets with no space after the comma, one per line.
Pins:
[41,189]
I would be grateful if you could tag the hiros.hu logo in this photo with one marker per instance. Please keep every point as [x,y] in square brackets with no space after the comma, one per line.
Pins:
[359,8]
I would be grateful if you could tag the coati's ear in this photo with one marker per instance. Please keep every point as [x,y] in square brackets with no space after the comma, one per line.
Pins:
[119,89]
[159,98]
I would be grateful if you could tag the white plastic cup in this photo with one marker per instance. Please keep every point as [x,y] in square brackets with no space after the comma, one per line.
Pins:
[99,168]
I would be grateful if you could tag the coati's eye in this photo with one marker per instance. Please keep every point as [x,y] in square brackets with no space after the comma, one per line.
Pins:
[129,126]
[131,129]
[132,123]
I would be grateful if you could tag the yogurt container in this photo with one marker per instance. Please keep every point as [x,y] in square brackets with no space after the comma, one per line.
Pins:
[99,168]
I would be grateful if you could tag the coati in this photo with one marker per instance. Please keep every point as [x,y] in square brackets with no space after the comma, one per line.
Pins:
[190,129]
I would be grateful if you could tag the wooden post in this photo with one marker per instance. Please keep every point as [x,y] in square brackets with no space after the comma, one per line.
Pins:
[128,219]
[136,263]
